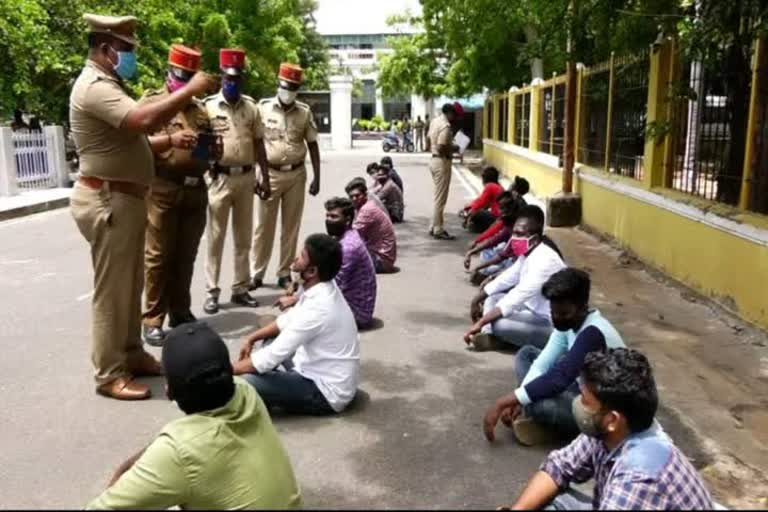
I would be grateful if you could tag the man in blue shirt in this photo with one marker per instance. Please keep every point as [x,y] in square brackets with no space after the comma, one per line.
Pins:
[540,408]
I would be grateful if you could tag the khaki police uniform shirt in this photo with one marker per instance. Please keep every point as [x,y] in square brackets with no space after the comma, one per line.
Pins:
[193,117]
[286,132]
[440,133]
[238,125]
[97,107]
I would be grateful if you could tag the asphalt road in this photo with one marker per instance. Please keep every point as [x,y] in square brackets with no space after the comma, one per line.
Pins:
[413,439]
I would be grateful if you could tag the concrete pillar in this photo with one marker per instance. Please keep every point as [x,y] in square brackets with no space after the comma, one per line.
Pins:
[379,102]
[57,154]
[341,112]
[7,164]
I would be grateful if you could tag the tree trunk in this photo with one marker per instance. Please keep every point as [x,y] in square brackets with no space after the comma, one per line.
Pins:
[537,63]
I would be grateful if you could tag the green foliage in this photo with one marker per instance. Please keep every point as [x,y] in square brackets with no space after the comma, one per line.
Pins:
[464,47]
[43,44]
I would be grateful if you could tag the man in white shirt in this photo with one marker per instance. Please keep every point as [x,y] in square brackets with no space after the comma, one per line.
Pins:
[316,341]
[514,311]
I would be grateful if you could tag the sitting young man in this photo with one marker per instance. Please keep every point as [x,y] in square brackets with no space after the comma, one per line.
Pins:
[497,228]
[547,378]
[373,167]
[387,160]
[481,213]
[316,341]
[374,226]
[514,311]
[634,463]
[208,458]
[389,193]
[357,277]
[495,252]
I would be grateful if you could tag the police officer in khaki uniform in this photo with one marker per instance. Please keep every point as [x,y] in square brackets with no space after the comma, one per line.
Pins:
[232,182]
[177,202]
[289,129]
[108,202]
[441,143]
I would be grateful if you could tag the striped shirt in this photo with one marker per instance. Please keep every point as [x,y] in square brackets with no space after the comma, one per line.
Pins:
[357,277]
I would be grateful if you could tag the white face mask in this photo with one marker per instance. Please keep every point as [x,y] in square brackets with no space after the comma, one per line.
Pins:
[285,96]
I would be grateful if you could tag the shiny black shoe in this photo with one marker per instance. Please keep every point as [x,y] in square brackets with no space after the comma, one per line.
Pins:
[244,299]
[211,305]
[176,319]
[256,283]
[153,335]
[284,282]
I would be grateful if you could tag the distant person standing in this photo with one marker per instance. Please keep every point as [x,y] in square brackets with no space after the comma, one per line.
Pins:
[290,131]
[108,202]
[441,142]
[418,132]
[425,132]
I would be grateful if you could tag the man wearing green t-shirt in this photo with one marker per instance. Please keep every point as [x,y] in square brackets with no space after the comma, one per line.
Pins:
[224,454]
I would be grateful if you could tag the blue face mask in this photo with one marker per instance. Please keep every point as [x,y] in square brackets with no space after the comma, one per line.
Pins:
[230,90]
[126,64]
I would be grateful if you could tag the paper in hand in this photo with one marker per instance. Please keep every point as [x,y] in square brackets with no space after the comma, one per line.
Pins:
[461,140]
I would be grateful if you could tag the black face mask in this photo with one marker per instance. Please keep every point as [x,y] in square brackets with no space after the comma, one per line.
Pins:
[335,229]
[562,325]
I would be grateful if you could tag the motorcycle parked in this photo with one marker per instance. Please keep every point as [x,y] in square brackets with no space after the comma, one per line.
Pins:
[393,142]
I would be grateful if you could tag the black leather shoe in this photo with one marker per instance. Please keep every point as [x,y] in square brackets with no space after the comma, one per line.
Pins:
[176,319]
[211,305]
[256,283]
[284,282]
[153,335]
[244,299]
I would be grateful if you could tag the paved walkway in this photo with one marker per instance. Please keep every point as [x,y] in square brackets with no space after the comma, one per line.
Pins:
[414,440]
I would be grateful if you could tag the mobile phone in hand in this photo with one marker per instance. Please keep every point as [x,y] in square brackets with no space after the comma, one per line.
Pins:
[205,148]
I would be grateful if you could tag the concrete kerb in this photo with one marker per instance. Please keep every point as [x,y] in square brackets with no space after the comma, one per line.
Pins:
[29,203]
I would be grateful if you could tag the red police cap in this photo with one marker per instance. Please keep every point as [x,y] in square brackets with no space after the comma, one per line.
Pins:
[291,73]
[184,57]
[458,109]
[232,61]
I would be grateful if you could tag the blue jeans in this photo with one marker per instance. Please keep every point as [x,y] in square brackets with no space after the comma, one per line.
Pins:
[554,412]
[289,391]
[520,328]
[487,254]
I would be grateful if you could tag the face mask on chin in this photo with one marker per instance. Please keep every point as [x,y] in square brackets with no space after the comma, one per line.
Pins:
[587,421]
[285,96]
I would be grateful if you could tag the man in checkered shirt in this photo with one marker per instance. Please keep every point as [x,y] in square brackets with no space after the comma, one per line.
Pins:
[634,463]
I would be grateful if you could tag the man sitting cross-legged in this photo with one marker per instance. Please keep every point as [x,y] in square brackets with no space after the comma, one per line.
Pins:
[316,341]
[635,465]
[513,309]
[357,277]
[389,193]
[224,454]
[539,410]
[374,226]
[481,213]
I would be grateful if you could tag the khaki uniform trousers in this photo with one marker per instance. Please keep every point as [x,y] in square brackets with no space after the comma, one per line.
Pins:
[288,190]
[177,216]
[229,192]
[441,175]
[113,224]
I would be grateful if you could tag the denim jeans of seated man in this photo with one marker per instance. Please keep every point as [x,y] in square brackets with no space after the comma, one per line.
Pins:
[487,254]
[288,390]
[520,328]
[570,499]
[555,412]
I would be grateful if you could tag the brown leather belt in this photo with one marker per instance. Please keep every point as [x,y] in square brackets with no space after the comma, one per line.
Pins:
[124,187]
[285,167]
[233,169]
[180,177]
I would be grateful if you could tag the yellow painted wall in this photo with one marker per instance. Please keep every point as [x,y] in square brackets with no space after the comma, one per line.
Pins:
[728,268]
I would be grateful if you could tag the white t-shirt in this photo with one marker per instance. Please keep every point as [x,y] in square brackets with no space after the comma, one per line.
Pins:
[321,330]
